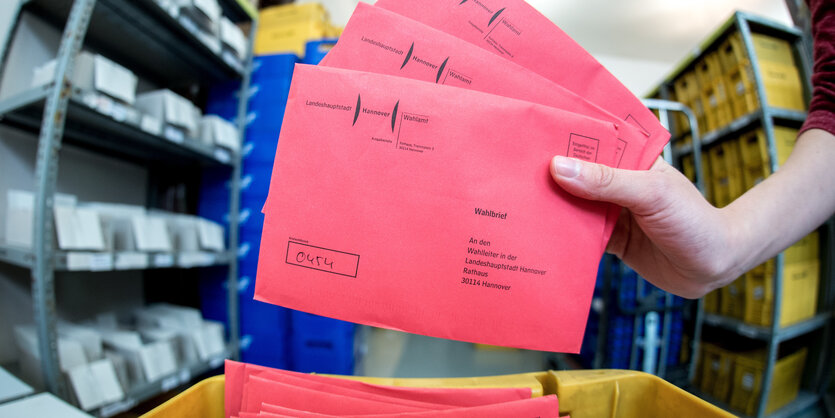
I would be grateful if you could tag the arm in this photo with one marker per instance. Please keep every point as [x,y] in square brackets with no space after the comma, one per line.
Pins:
[675,239]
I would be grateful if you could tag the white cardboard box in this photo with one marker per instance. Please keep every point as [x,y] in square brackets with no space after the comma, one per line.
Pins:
[20,206]
[232,36]
[170,108]
[89,338]
[77,228]
[94,72]
[211,235]
[95,384]
[215,130]
[206,13]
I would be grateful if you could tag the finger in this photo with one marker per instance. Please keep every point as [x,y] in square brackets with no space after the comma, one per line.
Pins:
[627,188]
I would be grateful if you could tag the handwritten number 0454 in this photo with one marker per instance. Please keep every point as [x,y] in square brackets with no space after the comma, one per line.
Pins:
[317,261]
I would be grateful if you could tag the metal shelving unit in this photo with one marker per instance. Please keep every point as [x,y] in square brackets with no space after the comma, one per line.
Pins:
[765,117]
[165,50]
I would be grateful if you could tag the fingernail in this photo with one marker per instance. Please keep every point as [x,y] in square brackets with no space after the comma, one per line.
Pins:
[566,167]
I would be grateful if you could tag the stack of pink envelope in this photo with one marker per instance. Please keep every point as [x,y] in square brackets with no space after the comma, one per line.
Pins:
[411,185]
[259,392]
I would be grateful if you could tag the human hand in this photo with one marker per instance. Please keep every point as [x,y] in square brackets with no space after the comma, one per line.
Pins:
[667,231]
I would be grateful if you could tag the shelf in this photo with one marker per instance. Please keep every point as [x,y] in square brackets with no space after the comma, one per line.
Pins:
[96,124]
[144,392]
[142,36]
[764,333]
[116,261]
[739,125]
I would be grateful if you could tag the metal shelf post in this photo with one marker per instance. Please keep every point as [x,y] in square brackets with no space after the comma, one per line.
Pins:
[46,173]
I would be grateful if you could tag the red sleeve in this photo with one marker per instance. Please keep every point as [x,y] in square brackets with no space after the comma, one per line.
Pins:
[822,107]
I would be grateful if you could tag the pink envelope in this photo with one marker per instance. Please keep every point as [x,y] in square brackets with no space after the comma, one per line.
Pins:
[304,382]
[380,41]
[514,30]
[259,390]
[542,407]
[237,372]
[408,205]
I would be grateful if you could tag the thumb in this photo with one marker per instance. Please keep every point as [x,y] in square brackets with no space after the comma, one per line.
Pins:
[592,181]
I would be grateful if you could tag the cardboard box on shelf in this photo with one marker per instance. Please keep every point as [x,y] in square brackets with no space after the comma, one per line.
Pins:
[94,72]
[88,337]
[172,109]
[76,228]
[20,206]
[232,37]
[70,354]
[95,384]
[215,130]
[205,13]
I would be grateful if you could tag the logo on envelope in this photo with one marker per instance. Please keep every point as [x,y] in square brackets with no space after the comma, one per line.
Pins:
[364,110]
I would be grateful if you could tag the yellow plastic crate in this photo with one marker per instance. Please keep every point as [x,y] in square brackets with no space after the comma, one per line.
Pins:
[708,70]
[741,89]
[688,167]
[726,173]
[771,49]
[686,90]
[784,139]
[712,302]
[716,371]
[718,109]
[288,38]
[292,13]
[801,281]
[755,160]
[747,381]
[732,52]
[582,393]
[732,301]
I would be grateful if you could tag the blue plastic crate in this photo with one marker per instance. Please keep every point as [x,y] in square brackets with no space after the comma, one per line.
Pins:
[266,67]
[334,354]
[315,51]
[260,146]
[265,349]
[303,323]
[266,119]
[269,93]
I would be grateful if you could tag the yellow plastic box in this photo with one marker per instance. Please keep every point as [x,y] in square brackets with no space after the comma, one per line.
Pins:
[288,38]
[583,393]
[755,160]
[784,139]
[717,368]
[733,299]
[712,302]
[741,89]
[292,13]
[732,52]
[779,70]
[801,281]
[726,172]
[747,381]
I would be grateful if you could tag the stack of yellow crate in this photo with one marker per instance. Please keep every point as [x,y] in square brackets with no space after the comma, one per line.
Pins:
[721,86]
[288,28]
[736,377]
[778,69]
[801,279]
[686,91]
[714,93]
